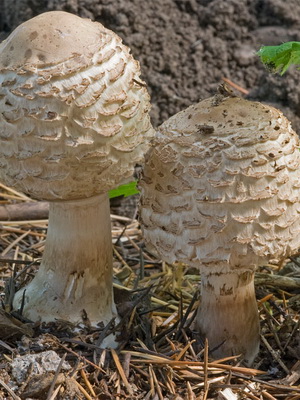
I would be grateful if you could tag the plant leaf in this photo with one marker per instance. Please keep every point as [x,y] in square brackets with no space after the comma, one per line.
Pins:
[124,190]
[280,58]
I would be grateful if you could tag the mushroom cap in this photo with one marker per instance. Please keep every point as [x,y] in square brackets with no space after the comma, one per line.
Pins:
[74,112]
[221,185]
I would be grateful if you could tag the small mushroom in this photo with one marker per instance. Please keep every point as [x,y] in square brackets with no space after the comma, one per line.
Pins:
[221,191]
[74,122]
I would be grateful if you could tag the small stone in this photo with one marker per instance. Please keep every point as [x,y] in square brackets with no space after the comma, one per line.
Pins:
[36,364]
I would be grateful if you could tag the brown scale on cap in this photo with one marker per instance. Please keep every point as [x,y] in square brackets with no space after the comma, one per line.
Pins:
[234,203]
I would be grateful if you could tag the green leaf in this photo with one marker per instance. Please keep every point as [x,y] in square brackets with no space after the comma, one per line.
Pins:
[280,58]
[124,190]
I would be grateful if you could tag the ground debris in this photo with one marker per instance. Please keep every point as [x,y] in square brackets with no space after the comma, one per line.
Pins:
[36,364]
[158,356]
[12,328]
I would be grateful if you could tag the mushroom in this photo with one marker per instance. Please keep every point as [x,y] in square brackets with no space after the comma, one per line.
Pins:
[220,191]
[74,122]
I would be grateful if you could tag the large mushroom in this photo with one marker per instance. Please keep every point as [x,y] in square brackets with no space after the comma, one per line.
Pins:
[73,124]
[221,191]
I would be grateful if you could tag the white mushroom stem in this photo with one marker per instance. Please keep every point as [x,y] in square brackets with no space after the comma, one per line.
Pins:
[75,276]
[228,314]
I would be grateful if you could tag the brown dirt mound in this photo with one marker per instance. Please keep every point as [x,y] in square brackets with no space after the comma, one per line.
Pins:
[186,47]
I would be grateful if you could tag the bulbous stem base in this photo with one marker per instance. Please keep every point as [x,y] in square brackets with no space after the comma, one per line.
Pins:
[74,280]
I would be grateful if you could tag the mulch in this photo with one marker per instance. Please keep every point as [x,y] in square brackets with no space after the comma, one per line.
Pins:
[159,356]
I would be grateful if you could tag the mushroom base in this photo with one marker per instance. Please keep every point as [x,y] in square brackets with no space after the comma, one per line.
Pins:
[228,314]
[74,281]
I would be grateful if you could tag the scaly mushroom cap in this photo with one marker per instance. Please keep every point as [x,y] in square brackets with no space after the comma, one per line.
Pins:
[74,112]
[221,185]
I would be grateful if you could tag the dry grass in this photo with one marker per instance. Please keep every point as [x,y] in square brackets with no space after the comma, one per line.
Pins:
[159,356]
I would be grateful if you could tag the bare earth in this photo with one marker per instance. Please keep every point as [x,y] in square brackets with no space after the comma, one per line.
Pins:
[186,47]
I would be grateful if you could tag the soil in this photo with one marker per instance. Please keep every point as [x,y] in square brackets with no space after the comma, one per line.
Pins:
[186,47]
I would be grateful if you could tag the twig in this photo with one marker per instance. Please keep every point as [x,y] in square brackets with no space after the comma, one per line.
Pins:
[54,380]
[87,382]
[151,381]
[82,358]
[235,86]
[121,371]
[126,364]
[277,281]
[274,354]
[191,346]
[156,383]
[295,329]
[287,388]
[184,350]
[9,390]
[146,256]
[10,261]
[20,195]
[149,359]
[118,255]
[17,230]
[120,218]
[55,392]
[82,389]
[8,248]
[187,313]
[271,327]
[267,395]
[25,210]
[190,393]
[6,346]
[250,395]
[205,366]
[26,222]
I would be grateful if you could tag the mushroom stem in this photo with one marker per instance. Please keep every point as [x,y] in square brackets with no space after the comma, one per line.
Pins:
[228,314]
[76,267]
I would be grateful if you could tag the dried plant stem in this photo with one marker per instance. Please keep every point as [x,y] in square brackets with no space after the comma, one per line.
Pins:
[121,371]
[9,390]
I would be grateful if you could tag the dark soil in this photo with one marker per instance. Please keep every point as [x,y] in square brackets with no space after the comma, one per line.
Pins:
[186,47]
